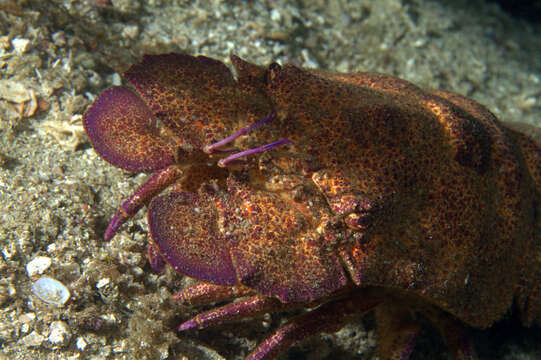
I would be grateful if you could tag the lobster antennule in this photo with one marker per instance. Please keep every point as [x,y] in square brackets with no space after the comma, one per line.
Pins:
[211,148]
[223,162]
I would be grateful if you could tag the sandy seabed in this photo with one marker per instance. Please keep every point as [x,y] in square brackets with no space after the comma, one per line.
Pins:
[57,195]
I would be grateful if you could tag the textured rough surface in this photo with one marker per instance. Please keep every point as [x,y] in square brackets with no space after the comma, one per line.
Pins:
[174,87]
[57,194]
[175,234]
[423,198]
[134,136]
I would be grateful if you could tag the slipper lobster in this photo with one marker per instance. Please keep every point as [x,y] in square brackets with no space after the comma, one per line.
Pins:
[336,193]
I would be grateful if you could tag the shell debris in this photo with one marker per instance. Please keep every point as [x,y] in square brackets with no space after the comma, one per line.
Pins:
[51,291]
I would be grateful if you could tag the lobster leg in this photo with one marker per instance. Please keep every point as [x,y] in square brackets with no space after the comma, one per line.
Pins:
[455,335]
[203,293]
[329,317]
[142,196]
[255,305]
[397,332]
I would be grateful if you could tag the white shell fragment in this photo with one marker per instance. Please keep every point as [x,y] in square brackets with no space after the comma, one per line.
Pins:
[81,343]
[51,291]
[38,265]
[20,45]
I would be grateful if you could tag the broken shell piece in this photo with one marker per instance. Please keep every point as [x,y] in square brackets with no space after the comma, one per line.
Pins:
[69,134]
[51,291]
[13,91]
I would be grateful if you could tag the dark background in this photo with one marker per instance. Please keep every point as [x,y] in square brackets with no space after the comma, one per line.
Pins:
[526,9]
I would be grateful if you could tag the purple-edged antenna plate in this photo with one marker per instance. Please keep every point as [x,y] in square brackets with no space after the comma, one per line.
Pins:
[184,228]
[122,129]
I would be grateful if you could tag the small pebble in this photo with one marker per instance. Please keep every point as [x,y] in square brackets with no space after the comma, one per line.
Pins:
[81,343]
[26,320]
[38,265]
[103,282]
[59,333]
[24,328]
[275,15]
[130,31]
[51,248]
[34,339]
[27,317]
[116,80]
[51,291]
[59,38]
[20,45]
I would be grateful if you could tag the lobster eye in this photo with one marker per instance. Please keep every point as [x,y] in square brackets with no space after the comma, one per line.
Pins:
[274,67]
[272,71]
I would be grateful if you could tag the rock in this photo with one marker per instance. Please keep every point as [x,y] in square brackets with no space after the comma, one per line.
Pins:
[38,265]
[59,333]
[34,339]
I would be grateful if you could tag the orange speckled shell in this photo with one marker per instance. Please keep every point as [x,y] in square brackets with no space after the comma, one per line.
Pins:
[454,196]
[382,185]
